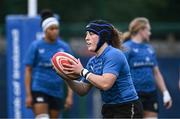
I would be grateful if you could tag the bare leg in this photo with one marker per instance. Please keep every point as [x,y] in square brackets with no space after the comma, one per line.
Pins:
[40,108]
[54,114]
[150,115]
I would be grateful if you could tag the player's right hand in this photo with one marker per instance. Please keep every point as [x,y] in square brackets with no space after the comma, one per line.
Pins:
[29,101]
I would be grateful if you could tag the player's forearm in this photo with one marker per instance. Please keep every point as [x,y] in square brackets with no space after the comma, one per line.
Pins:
[103,82]
[98,81]
[79,87]
[159,80]
[27,87]
[70,92]
[161,84]
[28,81]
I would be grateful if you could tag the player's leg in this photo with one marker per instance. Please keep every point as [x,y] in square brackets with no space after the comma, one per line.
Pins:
[41,110]
[150,104]
[150,114]
[54,113]
[40,105]
[55,107]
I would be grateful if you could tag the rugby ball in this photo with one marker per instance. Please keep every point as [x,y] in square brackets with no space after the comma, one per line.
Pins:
[61,58]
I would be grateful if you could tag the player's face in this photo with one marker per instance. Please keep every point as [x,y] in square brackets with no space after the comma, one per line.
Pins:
[146,32]
[91,41]
[52,32]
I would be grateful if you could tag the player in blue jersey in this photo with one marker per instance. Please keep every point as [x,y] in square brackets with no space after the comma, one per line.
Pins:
[108,71]
[44,88]
[144,68]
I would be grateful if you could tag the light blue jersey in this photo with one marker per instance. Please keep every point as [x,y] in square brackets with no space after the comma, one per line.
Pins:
[44,78]
[113,61]
[141,58]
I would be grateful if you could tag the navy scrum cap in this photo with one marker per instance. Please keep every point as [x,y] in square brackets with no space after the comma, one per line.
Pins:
[103,29]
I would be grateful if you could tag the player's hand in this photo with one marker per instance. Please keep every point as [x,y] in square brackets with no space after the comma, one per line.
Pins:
[29,101]
[68,103]
[73,68]
[167,99]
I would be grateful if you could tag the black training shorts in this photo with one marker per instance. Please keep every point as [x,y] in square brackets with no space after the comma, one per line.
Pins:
[131,109]
[53,102]
[149,101]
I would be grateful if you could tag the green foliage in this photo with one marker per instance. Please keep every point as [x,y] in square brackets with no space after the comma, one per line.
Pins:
[82,11]
[113,10]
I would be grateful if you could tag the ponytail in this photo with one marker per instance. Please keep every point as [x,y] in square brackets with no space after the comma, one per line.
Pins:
[126,36]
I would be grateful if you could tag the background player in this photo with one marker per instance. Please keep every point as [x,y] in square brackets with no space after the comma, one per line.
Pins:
[44,88]
[144,68]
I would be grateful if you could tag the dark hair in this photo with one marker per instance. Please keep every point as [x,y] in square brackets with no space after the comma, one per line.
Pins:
[116,38]
[107,33]
[46,13]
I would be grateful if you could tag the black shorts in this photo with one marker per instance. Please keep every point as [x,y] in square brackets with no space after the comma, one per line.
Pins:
[149,101]
[53,102]
[131,109]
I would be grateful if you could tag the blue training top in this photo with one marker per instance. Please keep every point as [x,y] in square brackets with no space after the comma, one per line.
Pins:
[141,58]
[44,78]
[113,61]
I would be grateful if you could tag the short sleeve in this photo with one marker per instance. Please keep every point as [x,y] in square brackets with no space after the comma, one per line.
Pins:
[30,55]
[126,51]
[154,58]
[113,63]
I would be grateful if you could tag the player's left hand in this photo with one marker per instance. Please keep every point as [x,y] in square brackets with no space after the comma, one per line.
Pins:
[167,99]
[72,68]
